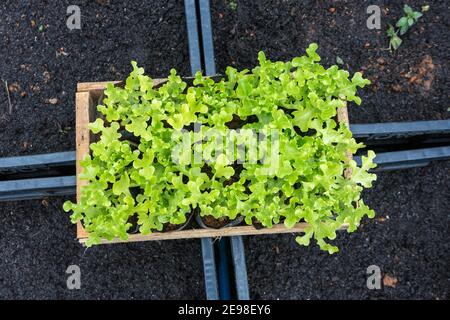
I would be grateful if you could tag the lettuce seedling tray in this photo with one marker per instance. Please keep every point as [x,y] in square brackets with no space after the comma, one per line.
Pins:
[87,97]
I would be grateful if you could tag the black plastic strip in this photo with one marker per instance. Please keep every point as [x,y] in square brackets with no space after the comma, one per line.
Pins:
[408,158]
[37,188]
[193,36]
[397,136]
[209,269]
[400,129]
[240,269]
[237,246]
[195,56]
[50,164]
[223,265]
[207,38]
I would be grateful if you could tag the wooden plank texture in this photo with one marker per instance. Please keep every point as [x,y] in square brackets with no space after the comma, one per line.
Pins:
[84,113]
[211,233]
[97,88]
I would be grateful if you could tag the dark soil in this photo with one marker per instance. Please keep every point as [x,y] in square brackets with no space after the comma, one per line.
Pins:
[212,222]
[37,244]
[409,84]
[37,240]
[172,227]
[42,68]
[408,239]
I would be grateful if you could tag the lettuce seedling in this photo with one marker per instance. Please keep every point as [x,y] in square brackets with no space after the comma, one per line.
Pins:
[164,152]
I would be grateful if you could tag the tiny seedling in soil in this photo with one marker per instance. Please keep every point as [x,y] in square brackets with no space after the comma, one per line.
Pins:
[408,20]
[403,25]
[233,5]
[395,40]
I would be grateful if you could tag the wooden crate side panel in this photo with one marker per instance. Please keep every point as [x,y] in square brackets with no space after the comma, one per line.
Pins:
[84,109]
[211,233]
[97,88]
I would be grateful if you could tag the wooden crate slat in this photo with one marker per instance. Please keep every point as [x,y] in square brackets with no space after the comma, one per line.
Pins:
[211,233]
[84,113]
[97,88]
[90,86]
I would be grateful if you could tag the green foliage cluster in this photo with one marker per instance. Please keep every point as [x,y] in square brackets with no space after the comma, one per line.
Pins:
[297,100]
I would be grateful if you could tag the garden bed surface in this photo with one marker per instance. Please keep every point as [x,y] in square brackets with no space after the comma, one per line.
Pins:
[408,239]
[409,84]
[38,243]
[43,67]
[37,240]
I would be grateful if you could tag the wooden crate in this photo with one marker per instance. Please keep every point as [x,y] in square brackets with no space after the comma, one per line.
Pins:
[86,102]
